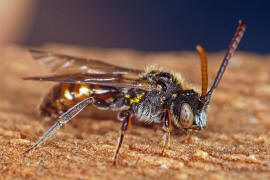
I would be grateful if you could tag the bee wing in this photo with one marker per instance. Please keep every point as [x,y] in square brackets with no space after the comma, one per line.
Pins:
[112,80]
[63,63]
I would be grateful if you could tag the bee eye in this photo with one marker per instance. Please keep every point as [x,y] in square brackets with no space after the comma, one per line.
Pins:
[186,115]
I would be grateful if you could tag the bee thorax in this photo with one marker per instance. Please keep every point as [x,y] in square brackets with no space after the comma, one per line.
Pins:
[148,114]
[149,109]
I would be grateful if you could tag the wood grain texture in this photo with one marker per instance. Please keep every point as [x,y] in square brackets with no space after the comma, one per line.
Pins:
[235,144]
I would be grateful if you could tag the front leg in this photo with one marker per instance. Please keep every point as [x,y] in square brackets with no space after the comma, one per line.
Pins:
[126,116]
[168,127]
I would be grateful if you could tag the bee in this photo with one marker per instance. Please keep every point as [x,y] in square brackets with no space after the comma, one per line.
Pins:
[150,96]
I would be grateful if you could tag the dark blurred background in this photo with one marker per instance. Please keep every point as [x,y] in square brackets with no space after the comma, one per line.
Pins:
[150,25]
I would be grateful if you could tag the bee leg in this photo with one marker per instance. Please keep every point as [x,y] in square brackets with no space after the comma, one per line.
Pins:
[126,116]
[64,118]
[167,127]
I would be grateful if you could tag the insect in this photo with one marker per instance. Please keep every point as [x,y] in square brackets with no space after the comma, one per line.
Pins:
[150,96]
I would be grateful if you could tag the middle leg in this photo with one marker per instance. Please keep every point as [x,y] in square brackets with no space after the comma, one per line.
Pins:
[126,116]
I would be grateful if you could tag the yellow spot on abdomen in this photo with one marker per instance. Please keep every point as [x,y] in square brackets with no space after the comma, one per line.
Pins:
[84,91]
[68,95]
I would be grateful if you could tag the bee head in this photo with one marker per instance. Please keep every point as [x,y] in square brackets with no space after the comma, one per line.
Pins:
[193,115]
[190,111]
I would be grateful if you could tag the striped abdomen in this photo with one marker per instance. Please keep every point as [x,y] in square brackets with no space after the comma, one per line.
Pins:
[63,96]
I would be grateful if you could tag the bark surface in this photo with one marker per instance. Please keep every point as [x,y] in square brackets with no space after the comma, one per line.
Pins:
[234,145]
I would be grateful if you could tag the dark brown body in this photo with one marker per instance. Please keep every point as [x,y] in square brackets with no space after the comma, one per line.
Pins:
[146,106]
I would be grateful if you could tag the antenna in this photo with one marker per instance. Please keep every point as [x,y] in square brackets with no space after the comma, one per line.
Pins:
[204,71]
[231,49]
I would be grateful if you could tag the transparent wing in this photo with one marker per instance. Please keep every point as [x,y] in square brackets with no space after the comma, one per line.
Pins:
[112,80]
[63,64]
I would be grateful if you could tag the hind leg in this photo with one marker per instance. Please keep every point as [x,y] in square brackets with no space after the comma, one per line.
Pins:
[67,116]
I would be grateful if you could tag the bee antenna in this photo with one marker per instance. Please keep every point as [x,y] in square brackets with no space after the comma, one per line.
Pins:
[229,52]
[204,71]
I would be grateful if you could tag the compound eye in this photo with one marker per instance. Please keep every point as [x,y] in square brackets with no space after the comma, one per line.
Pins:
[186,115]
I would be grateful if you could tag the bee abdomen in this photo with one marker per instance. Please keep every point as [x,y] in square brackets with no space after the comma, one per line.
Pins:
[63,96]
[51,103]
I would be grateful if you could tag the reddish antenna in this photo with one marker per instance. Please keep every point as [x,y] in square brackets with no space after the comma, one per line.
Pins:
[204,71]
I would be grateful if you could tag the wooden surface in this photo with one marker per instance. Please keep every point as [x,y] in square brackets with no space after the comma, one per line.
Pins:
[235,144]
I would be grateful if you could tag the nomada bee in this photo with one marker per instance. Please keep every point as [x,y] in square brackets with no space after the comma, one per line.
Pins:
[152,96]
